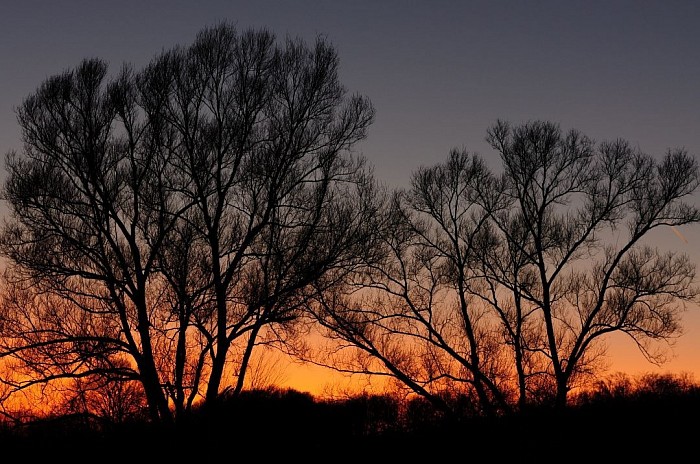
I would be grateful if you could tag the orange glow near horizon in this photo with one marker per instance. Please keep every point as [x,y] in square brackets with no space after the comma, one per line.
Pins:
[438,78]
[623,357]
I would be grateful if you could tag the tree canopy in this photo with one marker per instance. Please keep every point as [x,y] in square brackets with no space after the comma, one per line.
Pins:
[165,221]
[501,286]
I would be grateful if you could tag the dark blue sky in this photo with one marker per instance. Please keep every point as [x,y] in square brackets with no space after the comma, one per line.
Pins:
[438,72]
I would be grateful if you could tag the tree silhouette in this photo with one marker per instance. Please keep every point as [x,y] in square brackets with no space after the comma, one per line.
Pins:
[501,288]
[576,223]
[177,216]
[168,222]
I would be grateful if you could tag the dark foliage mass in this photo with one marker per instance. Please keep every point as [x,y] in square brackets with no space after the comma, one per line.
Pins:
[651,416]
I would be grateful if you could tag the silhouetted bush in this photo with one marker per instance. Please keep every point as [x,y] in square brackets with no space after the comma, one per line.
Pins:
[650,415]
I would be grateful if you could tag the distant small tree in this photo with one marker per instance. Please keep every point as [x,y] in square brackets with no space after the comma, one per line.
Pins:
[110,402]
[641,392]
[660,385]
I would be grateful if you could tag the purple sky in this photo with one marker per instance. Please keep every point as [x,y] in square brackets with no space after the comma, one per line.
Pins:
[438,72]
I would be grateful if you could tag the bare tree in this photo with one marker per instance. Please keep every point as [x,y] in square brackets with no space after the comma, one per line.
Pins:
[259,136]
[181,212]
[88,216]
[503,287]
[100,399]
[574,245]
[413,318]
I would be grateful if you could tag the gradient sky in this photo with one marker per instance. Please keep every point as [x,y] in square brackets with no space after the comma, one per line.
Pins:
[438,72]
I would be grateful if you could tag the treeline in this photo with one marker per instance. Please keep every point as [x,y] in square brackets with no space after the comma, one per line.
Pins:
[648,416]
[170,225]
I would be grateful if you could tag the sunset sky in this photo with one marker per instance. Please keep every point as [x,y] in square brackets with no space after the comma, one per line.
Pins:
[438,73]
